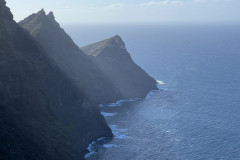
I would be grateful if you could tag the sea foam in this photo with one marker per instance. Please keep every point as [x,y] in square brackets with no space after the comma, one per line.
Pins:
[110,145]
[160,82]
[91,150]
[121,102]
[119,133]
[105,114]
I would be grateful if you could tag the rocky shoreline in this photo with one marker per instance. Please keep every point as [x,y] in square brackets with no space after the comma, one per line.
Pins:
[50,90]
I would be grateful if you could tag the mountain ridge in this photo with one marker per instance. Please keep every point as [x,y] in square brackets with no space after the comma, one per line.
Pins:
[50,89]
[43,115]
[115,61]
[110,55]
[97,47]
[67,55]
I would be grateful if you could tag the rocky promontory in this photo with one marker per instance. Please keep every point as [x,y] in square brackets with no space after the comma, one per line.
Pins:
[50,89]
[110,76]
[112,57]
[69,58]
[43,114]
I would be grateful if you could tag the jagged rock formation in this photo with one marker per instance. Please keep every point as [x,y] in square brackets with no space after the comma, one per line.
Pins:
[43,115]
[114,60]
[114,76]
[49,88]
[70,59]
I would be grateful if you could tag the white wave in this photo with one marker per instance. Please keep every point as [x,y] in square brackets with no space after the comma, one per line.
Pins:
[160,82]
[101,139]
[149,94]
[105,114]
[92,147]
[121,102]
[91,150]
[119,133]
[109,145]
[89,154]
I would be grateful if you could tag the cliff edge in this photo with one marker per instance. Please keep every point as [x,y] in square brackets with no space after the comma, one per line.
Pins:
[43,115]
[112,57]
[70,59]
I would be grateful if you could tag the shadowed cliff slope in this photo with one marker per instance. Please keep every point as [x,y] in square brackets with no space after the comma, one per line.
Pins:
[111,78]
[114,60]
[43,115]
[72,61]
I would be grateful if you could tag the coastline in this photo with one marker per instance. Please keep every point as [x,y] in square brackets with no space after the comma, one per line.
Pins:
[95,145]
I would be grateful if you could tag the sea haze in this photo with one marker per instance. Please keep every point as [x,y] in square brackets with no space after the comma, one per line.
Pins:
[195,114]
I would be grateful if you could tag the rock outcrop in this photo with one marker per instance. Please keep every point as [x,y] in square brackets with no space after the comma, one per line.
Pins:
[112,57]
[70,59]
[50,89]
[43,114]
[110,76]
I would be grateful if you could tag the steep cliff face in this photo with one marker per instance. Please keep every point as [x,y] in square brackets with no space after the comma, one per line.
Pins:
[70,59]
[114,60]
[110,76]
[43,115]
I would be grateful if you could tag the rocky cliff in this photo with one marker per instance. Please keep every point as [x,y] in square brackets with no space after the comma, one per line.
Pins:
[49,88]
[70,59]
[43,115]
[110,76]
[112,57]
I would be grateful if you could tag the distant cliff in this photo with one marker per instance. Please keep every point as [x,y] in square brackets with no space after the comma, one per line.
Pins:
[109,77]
[43,115]
[50,89]
[116,63]
[70,59]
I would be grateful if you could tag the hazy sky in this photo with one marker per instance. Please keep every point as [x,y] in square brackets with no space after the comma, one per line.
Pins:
[119,11]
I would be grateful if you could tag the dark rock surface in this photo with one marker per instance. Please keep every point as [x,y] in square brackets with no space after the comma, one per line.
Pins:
[114,60]
[109,77]
[43,115]
[70,59]
[49,88]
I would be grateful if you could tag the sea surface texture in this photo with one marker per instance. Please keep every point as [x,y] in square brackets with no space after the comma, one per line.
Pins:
[195,114]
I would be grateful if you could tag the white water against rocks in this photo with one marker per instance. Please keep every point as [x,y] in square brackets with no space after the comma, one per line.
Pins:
[195,113]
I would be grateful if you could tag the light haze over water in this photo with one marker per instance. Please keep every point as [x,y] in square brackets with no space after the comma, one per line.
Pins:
[195,114]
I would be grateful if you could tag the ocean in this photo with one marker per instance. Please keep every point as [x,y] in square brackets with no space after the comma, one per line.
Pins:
[195,114]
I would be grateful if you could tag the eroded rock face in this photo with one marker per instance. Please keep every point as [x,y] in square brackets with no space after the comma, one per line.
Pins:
[43,114]
[5,11]
[49,88]
[70,59]
[110,76]
[114,60]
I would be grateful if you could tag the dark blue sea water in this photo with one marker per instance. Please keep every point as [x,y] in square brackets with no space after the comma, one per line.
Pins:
[195,115]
